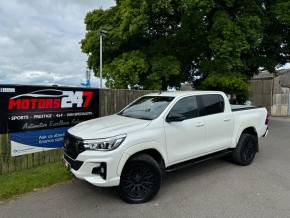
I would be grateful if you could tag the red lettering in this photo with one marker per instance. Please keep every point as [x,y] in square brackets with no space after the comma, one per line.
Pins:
[13,103]
[33,103]
[41,103]
[56,103]
[49,103]
[25,104]
[88,97]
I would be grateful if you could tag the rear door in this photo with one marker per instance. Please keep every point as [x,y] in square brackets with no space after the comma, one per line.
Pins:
[185,139]
[219,122]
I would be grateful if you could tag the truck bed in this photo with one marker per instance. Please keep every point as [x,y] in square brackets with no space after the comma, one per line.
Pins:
[239,107]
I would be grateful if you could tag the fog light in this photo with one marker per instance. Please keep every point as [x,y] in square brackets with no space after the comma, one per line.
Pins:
[100,170]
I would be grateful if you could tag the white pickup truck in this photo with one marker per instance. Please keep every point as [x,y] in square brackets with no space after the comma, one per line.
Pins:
[160,133]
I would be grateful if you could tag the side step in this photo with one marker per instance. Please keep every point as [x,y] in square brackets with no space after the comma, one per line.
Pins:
[197,160]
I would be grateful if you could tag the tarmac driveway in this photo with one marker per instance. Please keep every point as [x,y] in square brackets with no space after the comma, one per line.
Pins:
[213,189]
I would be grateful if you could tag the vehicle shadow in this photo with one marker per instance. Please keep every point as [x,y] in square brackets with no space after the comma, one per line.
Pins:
[171,181]
[195,177]
[195,170]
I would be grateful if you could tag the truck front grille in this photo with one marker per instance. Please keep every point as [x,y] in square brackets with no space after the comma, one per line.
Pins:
[74,164]
[73,145]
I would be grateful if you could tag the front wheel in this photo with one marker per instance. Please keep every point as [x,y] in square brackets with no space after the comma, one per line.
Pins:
[246,150]
[140,179]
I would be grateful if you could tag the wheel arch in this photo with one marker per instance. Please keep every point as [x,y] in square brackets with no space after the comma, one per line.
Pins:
[132,152]
[249,130]
[153,153]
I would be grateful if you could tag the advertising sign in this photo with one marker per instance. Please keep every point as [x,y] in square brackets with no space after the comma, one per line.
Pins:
[36,117]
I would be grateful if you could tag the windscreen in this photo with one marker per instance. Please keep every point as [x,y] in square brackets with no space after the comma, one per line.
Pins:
[147,107]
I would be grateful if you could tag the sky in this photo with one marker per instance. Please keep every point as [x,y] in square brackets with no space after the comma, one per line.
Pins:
[39,41]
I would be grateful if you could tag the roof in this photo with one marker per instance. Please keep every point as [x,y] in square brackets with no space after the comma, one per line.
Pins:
[183,93]
[284,76]
[263,75]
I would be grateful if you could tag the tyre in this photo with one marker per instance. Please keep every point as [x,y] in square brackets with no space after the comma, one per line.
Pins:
[140,180]
[246,150]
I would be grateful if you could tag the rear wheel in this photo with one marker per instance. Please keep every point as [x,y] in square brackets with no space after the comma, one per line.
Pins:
[140,179]
[246,150]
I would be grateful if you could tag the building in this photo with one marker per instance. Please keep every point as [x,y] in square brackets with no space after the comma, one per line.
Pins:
[272,92]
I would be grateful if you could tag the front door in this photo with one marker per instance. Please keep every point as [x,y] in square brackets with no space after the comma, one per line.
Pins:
[185,139]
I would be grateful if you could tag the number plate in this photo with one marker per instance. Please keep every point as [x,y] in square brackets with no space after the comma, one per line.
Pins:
[66,164]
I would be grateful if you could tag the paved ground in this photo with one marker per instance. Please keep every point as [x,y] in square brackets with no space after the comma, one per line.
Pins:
[214,189]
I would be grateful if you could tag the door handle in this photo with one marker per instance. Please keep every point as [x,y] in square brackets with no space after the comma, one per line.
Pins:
[199,124]
[227,119]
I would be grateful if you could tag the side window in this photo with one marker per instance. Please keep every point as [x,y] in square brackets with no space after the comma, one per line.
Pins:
[211,104]
[187,107]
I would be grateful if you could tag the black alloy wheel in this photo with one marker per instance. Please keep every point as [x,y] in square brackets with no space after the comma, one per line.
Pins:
[246,150]
[140,179]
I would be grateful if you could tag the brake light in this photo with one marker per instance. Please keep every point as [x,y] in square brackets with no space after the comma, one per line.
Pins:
[267,120]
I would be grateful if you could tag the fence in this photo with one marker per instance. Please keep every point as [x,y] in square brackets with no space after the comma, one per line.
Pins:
[269,93]
[261,92]
[111,101]
[281,96]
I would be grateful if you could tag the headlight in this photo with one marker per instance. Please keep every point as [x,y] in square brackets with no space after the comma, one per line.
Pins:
[106,144]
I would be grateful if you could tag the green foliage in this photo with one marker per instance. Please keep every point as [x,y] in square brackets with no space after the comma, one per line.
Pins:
[234,83]
[132,68]
[126,70]
[227,51]
[164,68]
[28,180]
[170,41]
[281,11]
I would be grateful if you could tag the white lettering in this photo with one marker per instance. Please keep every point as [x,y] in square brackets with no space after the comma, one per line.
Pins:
[72,98]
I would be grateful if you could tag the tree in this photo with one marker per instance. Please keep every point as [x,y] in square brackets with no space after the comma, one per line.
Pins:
[230,83]
[159,43]
[126,70]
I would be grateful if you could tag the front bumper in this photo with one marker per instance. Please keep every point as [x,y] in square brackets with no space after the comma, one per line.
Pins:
[101,171]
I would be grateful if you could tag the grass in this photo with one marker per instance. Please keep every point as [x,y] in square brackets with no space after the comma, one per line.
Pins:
[28,180]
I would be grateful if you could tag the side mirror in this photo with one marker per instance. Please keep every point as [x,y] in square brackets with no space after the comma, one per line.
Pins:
[174,117]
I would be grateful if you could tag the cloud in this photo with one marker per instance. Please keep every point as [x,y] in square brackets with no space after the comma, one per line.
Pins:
[286,66]
[48,78]
[39,40]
